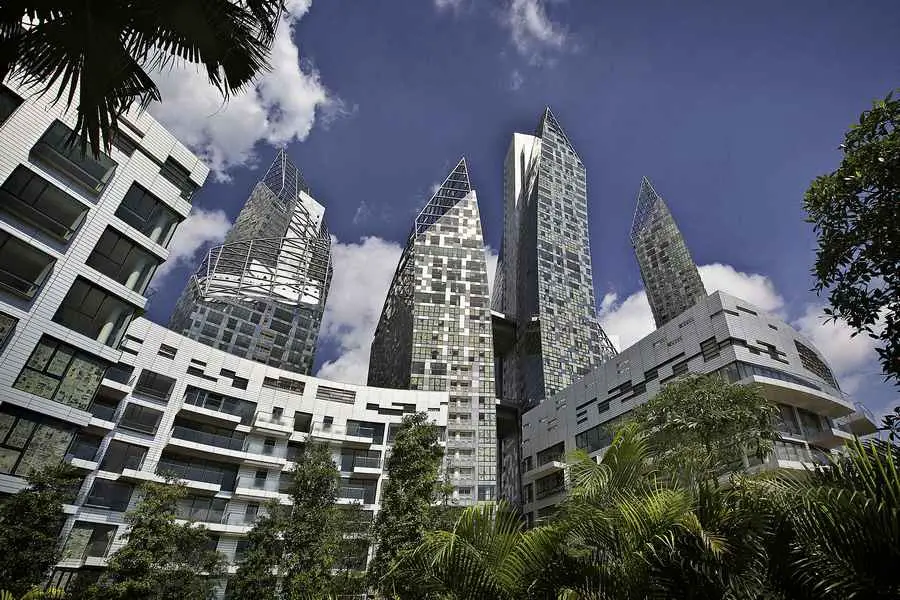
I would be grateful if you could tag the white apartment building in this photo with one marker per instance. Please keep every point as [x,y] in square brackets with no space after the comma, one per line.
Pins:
[721,334]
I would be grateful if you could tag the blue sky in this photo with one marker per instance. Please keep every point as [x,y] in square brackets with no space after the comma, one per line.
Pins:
[730,108]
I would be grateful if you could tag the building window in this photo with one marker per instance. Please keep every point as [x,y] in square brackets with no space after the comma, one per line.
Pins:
[92,311]
[61,373]
[89,540]
[84,447]
[113,495]
[201,508]
[196,469]
[154,386]
[30,441]
[34,200]
[124,143]
[330,394]
[55,150]
[814,364]
[595,438]
[9,102]
[140,418]
[119,258]
[148,214]
[121,455]
[7,327]
[23,268]
[180,177]
[167,351]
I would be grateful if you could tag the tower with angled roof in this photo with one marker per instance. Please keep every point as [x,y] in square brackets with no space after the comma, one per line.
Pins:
[435,331]
[670,276]
[261,294]
[544,287]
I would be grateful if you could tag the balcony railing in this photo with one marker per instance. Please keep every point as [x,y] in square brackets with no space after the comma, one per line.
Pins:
[265,449]
[366,462]
[352,492]
[20,286]
[120,375]
[239,518]
[350,430]
[543,460]
[208,439]
[53,149]
[84,450]
[264,417]
[103,411]
[192,473]
[257,483]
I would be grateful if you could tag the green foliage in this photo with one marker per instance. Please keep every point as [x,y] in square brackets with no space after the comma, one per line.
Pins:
[161,559]
[407,496]
[30,522]
[701,426]
[891,424]
[256,576]
[107,67]
[855,212]
[34,594]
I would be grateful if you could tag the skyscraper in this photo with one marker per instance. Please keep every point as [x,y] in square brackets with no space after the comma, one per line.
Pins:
[670,276]
[544,286]
[435,331]
[261,294]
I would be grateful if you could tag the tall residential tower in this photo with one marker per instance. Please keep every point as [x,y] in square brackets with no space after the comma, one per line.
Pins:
[670,276]
[261,294]
[435,331]
[544,286]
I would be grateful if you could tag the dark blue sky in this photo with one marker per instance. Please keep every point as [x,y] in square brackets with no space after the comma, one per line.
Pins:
[730,108]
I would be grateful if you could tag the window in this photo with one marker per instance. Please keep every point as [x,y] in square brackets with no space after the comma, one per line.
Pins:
[330,394]
[196,469]
[104,408]
[302,421]
[811,362]
[54,149]
[284,383]
[201,508]
[124,143]
[140,418]
[121,259]
[61,373]
[148,214]
[602,407]
[226,404]
[121,455]
[9,102]
[92,311]
[595,438]
[710,348]
[549,485]
[154,386]
[114,495]
[23,268]
[30,441]
[89,540]
[7,327]
[180,177]
[84,446]
[167,351]
[553,453]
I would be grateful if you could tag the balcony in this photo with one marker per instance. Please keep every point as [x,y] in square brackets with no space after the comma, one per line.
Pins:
[273,423]
[860,422]
[34,200]
[352,493]
[264,454]
[831,437]
[793,394]
[118,380]
[547,468]
[53,150]
[351,436]
[363,466]
[256,487]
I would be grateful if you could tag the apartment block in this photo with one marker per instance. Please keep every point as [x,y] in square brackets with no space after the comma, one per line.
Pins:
[721,335]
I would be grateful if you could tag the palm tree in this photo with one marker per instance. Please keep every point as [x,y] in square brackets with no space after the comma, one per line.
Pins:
[35,594]
[102,51]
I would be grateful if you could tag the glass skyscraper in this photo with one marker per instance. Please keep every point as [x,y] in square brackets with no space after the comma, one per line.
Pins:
[670,276]
[435,331]
[544,286]
[261,294]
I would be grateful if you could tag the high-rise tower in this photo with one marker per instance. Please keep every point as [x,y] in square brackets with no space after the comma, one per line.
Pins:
[435,331]
[544,286]
[670,276]
[261,294]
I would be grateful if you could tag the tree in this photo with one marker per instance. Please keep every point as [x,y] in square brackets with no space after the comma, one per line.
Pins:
[35,594]
[102,51]
[854,212]
[701,426]
[30,523]
[311,530]
[891,424]
[407,496]
[257,574]
[161,559]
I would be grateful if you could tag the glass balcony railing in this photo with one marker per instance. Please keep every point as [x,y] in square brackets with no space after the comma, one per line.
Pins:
[54,149]
[239,518]
[84,449]
[351,430]
[258,483]
[208,439]
[121,375]
[104,411]
[196,473]
[366,462]
[264,417]
[257,447]
[359,493]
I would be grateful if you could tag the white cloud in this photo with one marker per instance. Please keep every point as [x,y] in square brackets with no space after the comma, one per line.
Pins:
[201,229]
[631,319]
[362,275]
[532,30]
[516,79]
[491,257]
[280,108]
[454,5]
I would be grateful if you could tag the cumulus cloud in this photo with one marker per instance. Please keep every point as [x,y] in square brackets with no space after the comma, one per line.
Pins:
[200,230]
[532,30]
[752,287]
[362,275]
[281,107]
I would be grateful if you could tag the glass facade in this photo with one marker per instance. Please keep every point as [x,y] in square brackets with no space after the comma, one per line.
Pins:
[670,276]
[60,372]
[435,329]
[261,294]
[30,441]
[544,281]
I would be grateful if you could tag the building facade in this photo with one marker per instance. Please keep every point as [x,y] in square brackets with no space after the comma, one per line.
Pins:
[544,285]
[435,331]
[261,294]
[671,278]
[723,335]
[228,428]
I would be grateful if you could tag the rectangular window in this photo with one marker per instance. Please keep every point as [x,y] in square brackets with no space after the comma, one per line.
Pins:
[23,268]
[330,394]
[9,102]
[121,455]
[710,348]
[30,441]
[180,177]
[60,151]
[119,258]
[167,351]
[196,469]
[124,143]
[89,540]
[92,311]
[595,438]
[218,402]
[84,446]
[154,386]
[114,495]
[34,200]
[140,418]
[148,214]
[7,327]
[61,373]
[302,421]
[104,408]
[201,508]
